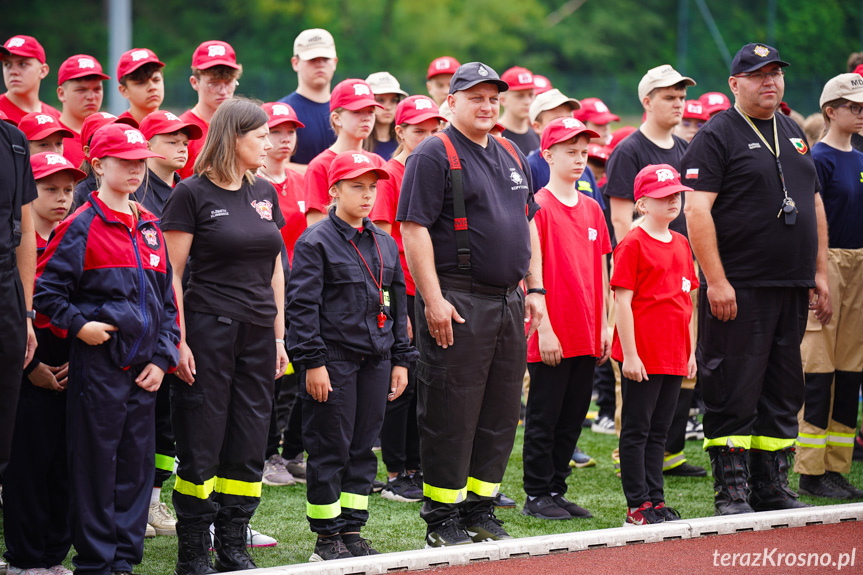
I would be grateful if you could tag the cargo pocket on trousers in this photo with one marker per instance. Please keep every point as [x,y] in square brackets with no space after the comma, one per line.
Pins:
[185,396]
[711,367]
[431,375]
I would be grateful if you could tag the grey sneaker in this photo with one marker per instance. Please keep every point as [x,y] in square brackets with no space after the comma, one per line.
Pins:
[276,472]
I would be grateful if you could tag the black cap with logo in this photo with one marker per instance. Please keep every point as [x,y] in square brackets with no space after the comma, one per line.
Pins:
[754,57]
[473,73]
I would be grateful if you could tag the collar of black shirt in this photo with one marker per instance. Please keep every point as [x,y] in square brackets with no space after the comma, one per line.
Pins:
[348,231]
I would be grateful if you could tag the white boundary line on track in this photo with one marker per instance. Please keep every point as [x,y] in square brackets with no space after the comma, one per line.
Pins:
[567,542]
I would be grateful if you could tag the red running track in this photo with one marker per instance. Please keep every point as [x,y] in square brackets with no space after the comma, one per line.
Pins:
[779,551]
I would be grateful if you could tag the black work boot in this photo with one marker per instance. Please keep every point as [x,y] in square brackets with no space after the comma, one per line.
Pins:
[730,480]
[230,544]
[193,551]
[770,488]
[821,486]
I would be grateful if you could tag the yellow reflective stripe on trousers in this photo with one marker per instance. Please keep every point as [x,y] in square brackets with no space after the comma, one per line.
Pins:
[673,460]
[838,439]
[482,488]
[444,495]
[771,443]
[355,501]
[814,441]
[235,487]
[165,462]
[330,511]
[193,489]
[743,441]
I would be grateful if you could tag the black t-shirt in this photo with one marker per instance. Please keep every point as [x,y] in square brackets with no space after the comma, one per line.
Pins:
[631,156]
[527,142]
[154,192]
[9,183]
[728,158]
[233,253]
[498,197]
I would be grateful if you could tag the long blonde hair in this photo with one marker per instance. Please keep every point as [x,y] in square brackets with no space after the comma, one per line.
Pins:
[233,119]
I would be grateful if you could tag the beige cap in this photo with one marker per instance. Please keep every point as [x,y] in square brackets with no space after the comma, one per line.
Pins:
[660,77]
[384,83]
[848,86]
[549,101]
[314,43]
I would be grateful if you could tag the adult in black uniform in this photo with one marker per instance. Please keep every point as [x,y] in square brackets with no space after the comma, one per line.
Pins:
[17,269]
[763,273]
[226,222]
[470,313]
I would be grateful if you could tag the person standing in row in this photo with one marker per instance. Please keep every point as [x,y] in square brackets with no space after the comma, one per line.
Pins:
[24,68]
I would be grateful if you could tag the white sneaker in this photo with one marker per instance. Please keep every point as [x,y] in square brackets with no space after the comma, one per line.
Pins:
[275,472]
[161,519]
[150,532]
[604,425]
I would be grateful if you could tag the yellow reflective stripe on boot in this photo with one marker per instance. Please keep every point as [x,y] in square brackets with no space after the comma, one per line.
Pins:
[330,511]
[165,462]
[812,440]
[744,441]
[838,439]
[771,443]
[672,460]
[354,501]
[193,489]
[482,488]
[236,487]
[444,495]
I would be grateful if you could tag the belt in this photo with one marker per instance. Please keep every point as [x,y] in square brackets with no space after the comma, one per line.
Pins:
[468,284]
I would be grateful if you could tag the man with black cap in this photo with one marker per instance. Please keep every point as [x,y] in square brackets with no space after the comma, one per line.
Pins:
[757,226]
[467,211]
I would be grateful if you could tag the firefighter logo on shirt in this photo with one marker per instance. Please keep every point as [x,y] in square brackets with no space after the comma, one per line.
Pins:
[591,234]
[515,177]
[687,285]
[151,237]
[799,145]
[264,209]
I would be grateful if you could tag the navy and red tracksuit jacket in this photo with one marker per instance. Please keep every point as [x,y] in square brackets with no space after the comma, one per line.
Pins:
[95,269]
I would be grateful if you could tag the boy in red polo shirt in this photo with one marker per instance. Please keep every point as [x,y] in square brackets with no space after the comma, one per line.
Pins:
[24,68]
[79,89]
[139,73]
[215,76]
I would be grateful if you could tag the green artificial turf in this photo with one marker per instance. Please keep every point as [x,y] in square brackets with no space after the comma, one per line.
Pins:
[397,526]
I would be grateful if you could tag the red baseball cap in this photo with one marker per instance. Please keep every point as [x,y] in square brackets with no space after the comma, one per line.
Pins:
[618,136]
[563,129]
[352,94]
[350,165]
[80,66]
[119,141]
[442,65]
[214,53]
[542,84]
[519,78]
[25,46]
[134,59]
[594,110]
[162,122]
[858,70]
[416,110]
[46,163]
[37,126]
[658,181]
[598,152]
[95,121]
[279,113]
[7,119]
[694,109]
[714,102]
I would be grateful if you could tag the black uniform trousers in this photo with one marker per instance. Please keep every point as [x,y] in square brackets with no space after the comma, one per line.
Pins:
[400,441]
[603,383]
[558,401]
[111,447]
[469,399]
[36,482]
[13,344]
[292,439]
[165,451]
[339,434]
[648,408]
[221,421]
[751,370]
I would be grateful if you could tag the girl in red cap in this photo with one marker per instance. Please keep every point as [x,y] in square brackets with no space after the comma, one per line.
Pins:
[104,282]
[653,275]
[348,338]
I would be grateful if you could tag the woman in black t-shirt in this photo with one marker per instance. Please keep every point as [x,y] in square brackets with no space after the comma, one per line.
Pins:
[226,222]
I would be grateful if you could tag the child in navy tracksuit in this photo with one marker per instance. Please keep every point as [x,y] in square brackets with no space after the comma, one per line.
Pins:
[348,336]
[105,283]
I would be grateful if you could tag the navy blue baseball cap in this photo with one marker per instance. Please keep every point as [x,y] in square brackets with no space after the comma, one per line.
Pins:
[754,57]
[473,73]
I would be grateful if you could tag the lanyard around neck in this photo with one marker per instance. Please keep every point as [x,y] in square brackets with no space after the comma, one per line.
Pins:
[760,135]
[379,283]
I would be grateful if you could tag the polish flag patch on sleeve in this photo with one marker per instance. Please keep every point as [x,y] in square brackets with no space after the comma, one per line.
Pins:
[692,174]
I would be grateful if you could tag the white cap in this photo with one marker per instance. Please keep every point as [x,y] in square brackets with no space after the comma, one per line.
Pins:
[549,101]
[661,77]
[314,43]
[384,83]
[847,86]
